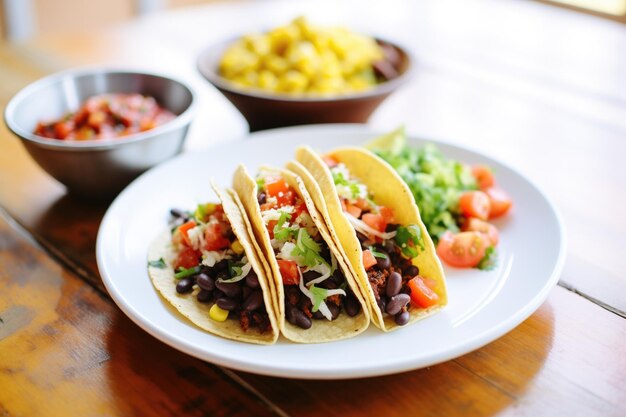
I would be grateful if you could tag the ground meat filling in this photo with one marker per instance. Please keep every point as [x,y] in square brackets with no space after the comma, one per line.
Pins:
[242,299]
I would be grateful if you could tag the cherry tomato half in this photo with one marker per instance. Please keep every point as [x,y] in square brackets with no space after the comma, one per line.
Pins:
[500,202]
[476,225]
[483,176]
[475,204]
[462,250]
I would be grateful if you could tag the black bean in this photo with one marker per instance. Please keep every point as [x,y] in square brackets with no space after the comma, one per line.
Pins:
[411,271]
[226,303]
[402,318]
[301,320]
[252,280]
[394,284]
[334,310]
[245,291]
[221,265]
[351,305]
[253,301]
[184,285]
[318,315]
[178,214]
[384,262]
[222,275]
[231,289]
[396,303]
[310,276]
[390,246]
[329,284]
[382,303]
[204,296]
[338,276]
[289,313]
[208,270]
[361,237]
[391,228]
[205,282]
[261,198]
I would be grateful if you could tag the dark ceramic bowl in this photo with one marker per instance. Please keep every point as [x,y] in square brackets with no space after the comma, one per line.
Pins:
[266,110]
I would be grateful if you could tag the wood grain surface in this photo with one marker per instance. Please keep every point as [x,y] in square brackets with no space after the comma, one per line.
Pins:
[540,88]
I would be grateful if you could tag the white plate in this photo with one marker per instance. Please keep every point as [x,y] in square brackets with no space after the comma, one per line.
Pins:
[482,305]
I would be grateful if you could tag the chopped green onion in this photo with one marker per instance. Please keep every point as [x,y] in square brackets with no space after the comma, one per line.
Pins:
[182,272]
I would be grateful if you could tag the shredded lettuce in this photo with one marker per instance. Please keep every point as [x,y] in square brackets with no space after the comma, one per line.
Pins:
[435,181]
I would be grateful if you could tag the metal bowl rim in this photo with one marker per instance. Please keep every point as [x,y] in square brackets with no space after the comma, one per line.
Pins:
[179,122]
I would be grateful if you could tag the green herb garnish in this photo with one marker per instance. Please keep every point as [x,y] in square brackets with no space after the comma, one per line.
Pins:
[307,249]
[377,254]
[260,183]
[489,261]
[282,233]
[409,239]
[160,263]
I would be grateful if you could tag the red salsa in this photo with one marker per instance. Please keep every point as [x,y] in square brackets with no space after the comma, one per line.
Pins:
[107,116]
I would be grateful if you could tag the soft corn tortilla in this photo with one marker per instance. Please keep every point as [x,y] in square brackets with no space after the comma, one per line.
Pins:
[320,331]
[388,190]
[198,313]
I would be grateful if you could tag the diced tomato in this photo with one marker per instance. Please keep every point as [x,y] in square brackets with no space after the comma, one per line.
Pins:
[375,221]
[275,186]
[421,294]
[476,225]
[270,227]
[475,204]
[298,210]
[214,237]
[483,176]
[354,211]
[184,231]
[362,203]
[63,129]
[344,206]
[387,214]
[368,259]
[462,250]
[289,272]
[330,161]
[500,201]
[285,199]
[187,258]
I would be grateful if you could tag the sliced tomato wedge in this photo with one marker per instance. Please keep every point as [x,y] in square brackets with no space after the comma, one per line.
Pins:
[353,210]
[422,295]
[214,237]
[375,221]
[463,250]
[187,258]
[475,204]
[500,202]
[476,225]
[288,272]
[484,176]
[270,227]
[369,260]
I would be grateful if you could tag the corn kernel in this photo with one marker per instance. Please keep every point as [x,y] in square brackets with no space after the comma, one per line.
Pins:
[237,247]
[217,314]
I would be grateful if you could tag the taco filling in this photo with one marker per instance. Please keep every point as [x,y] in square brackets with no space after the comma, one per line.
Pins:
[314,287]
[210,263]
[388,249]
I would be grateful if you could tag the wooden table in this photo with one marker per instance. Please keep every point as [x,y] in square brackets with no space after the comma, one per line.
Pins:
[540,88]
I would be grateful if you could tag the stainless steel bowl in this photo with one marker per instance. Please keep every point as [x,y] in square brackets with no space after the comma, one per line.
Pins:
[99,168]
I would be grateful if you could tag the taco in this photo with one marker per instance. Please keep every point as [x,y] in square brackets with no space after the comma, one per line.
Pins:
[373,218]
[206,266]
[317,297]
